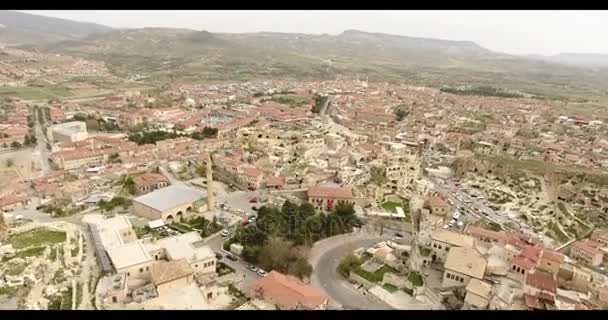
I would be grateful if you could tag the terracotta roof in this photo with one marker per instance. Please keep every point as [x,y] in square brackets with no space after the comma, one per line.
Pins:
[524,263]
[147,179]
[275,181]
[542,280]
[330,192]
[288,292]
[163,272]
[587,247]
[437,201]
[11,199]
[252,172]
[495,236]
[532,253]
[553,256]
[531,301]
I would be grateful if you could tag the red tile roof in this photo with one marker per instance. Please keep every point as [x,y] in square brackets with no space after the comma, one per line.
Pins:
[287,292]
[524,263]
[11,199]
[275,181]
[437,201]
[148,179]
[330,192]
[585,246]
[553,256]
[532,253]
[542,280]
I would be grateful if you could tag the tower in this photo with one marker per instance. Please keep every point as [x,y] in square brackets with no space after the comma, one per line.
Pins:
[209,170]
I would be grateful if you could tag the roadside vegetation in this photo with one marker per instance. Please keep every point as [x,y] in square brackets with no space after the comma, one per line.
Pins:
[281,238]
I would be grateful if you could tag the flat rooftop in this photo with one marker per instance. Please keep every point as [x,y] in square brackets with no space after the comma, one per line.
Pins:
[170,197]
[128,255]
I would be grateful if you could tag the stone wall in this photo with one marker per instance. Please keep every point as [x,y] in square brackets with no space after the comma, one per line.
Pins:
[360,280]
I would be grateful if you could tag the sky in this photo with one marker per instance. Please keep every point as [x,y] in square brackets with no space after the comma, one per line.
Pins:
[514,32]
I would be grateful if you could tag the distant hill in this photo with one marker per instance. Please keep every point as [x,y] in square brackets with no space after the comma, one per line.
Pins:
[18,28]
[169,54]
[579,59]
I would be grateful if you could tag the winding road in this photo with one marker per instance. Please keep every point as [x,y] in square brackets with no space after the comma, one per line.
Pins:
[325,258]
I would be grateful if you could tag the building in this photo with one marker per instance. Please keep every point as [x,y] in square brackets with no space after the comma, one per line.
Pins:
[253,177]
[276,182]
[149,182]
[325,197]
[74,159]
[479,293]
[462,265]
[170,275]
[288,293]
[443,240]
[11,202]
[131,258]
[438,206]
[540,287]
[69,132]
[169,203]
[587,252]
[189,247]
[551,261]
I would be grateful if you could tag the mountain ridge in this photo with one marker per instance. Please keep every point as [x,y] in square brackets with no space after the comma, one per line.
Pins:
[28,29]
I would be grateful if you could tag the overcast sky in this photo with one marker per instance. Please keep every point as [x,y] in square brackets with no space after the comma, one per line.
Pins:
[516,32]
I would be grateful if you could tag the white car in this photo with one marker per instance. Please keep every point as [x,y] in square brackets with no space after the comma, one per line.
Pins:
[262,273]
[224,233]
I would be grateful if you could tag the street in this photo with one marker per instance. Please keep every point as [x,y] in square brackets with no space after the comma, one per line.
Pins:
[325,258]
[475,207]
[239,266]
[41,143]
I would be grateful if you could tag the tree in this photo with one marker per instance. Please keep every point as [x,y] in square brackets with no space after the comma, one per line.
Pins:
[400,114]
[201,171]
[347,264]
[15,144]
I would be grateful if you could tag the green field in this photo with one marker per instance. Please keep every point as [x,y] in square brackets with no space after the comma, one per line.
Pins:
[34,93]
[37,238]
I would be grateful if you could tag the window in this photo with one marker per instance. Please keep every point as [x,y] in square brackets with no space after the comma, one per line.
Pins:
[196,265]
[147,268]
[461,280]
[141,270]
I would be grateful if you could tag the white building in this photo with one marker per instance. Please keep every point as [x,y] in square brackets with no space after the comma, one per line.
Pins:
[69,132]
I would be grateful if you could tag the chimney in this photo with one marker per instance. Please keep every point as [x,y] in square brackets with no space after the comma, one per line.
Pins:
[210,203]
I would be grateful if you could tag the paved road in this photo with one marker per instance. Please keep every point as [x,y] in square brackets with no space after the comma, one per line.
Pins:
[325,258]
[239,266]
[41,143]
[475,207]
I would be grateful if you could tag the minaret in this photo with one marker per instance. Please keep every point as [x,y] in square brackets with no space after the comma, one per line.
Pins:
[209,170]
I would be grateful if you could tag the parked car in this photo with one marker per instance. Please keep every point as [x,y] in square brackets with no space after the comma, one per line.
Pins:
[252,268]
[218,256]
[232,257]
[253,200]
[224,233]
[262,273]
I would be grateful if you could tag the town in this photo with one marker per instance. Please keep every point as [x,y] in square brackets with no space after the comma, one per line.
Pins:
[295,195]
